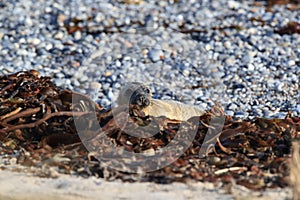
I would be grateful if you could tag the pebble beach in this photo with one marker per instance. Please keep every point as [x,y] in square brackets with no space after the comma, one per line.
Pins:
[196,52]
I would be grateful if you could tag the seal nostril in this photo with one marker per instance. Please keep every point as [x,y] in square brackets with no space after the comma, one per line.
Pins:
[142,100]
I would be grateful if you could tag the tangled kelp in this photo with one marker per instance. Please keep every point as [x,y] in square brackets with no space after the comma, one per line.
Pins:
[37,122]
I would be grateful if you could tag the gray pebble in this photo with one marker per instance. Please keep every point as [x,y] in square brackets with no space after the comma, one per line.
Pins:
[75,82]
[77,35]
[155,54]
[232,106]
[59,35]
[59,75]
[59,82]
[229,112]
[251,67]
[83,78]
[240,114]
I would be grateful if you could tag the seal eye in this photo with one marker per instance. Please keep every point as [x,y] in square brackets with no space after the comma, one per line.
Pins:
[147,90]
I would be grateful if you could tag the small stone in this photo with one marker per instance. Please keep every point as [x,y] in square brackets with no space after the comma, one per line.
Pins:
[111,96]
[279,115]
[75,82]
[227,44]
[230,61]
[233,4]
[59,82]
[229,113]
[77,35]
[1,35]
[49,46]
[252,53]
[117,85]
[22,52]
[186,72]
[75,64]
[105,86]
[113,78]
[155,55]
[252,31]
[61,18]
[99,17]
[22,41]
[240,114]
[34,41]
[291,63]
[266,112]
[83,78]
[232,106]
[298,108]
[267,16]
[59,35]
[247,59]
[95,85]
[59,75]
[118,63]
[251,67]
[105,102]
[208,47]
[89,38]
[48,9]
[28,21]
[68,82]
[108,73]
[280,86]
[59,46]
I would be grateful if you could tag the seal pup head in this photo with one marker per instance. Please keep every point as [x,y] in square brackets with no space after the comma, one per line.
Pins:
[135,93]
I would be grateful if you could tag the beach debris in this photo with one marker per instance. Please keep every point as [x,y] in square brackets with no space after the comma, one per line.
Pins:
[37,128]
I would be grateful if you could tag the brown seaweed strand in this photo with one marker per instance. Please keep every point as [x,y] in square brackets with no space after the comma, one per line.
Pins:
[7,88]
[11,114]
[37,123]
[24,113]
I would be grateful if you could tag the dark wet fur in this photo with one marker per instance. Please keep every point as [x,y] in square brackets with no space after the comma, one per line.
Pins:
[141,97]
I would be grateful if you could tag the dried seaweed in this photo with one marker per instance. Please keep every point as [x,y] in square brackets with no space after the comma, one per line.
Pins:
[290,28]
[37,121]
[281,2]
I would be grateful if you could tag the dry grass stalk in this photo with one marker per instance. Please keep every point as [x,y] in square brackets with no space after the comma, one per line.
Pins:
[295,170]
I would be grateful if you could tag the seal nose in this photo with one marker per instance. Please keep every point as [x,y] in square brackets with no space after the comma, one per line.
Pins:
[146,102]
[142,101]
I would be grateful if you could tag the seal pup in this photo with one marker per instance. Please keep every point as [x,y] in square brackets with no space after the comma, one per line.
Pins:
[135,93]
